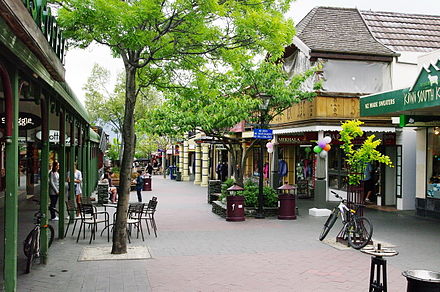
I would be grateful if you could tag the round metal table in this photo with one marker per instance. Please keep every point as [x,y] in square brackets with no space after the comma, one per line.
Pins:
[377,263]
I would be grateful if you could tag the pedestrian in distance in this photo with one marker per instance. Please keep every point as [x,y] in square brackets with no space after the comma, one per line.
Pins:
[54,189]
[369,182]
[149,169]
[77,179]
[139,185]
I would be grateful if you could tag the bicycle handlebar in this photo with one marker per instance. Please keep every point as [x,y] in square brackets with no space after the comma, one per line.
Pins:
[338,196]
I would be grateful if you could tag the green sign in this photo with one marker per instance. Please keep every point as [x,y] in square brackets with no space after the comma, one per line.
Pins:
[44,19]
[424,93]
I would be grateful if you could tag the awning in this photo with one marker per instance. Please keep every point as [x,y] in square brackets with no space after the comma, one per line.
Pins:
[423,98]
[330,128]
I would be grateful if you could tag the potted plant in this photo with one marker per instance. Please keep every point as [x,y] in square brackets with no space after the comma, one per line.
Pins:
[358,158]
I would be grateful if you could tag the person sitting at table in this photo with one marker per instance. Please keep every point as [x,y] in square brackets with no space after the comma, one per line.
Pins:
[112,190]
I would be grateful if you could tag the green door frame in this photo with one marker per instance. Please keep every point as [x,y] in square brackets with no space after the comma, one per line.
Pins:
[10,88]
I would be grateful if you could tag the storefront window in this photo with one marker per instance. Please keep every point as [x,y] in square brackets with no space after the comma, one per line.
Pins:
[337,169]
[433,163]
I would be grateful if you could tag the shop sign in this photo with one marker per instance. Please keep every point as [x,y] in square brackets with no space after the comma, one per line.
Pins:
[26,121]
[263,133]
[424,93]
[54,137]
[298,139]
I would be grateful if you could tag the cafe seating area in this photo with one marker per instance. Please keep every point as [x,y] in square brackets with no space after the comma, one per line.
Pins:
[100,219]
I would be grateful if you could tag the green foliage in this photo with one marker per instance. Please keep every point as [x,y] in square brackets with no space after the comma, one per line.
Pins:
[106,106]
[357,158]
[270,197]
[250,193]
[225,185]
[114,150]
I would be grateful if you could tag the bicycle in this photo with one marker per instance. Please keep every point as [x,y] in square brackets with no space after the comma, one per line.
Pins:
[31,245]
[358,229]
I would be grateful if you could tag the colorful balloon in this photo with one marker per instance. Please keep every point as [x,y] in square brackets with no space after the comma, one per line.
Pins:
[321,143]
[327,139]
[327,147]
[269,150]
[323,154]
[317,149]
[269,145]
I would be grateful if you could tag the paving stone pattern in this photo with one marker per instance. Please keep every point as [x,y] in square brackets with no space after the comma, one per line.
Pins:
[197,250]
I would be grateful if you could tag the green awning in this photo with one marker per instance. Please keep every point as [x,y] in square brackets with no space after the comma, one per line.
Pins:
[423,98]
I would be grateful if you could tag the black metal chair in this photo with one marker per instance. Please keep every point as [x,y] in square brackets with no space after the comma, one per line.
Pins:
[135,212]
[148,215]
[71,210]
[89,216]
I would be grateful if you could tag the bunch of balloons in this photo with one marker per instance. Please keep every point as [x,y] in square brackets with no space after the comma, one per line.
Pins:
[323,147]
[269,146]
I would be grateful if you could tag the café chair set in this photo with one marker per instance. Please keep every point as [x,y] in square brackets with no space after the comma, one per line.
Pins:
[91,217]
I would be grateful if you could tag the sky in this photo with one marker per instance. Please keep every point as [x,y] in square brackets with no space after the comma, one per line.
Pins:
[79,62]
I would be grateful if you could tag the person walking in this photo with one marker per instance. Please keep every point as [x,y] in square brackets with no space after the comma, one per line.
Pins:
[54,186]
[139,185]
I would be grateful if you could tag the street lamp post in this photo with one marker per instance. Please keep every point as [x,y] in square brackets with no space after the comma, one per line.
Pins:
[263,113]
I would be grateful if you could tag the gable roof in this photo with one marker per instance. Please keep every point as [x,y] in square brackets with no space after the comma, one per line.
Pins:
[339,30]
[404,32]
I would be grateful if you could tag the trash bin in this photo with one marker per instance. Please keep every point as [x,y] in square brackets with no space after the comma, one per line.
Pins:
[178,176]
[102,193]
[235,208]
[147,184]
[422,281]
[172,172]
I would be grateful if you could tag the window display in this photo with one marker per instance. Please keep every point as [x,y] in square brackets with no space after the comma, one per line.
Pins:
[433,163]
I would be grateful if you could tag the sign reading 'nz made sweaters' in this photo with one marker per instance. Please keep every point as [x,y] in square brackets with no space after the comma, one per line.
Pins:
[424,93]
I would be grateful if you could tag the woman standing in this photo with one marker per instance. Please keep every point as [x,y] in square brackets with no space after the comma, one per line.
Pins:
[77,179]
[54,186]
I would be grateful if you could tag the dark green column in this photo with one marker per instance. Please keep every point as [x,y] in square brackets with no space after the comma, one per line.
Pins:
[44,173]
[84,163]
[62,161]
[11,191]
[72,161]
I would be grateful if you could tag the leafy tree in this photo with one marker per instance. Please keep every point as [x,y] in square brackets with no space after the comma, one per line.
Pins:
[114,150]
[106,107]
[358,157]
[160,41]
[214,103]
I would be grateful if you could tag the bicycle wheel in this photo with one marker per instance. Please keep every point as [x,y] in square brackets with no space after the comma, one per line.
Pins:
[27,244]
[359,231]
[328,225]
[31,249]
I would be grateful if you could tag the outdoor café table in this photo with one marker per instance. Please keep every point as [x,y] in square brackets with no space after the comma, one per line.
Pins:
[378,262]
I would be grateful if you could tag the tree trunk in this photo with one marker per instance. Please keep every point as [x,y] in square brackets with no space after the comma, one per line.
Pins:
[120,228]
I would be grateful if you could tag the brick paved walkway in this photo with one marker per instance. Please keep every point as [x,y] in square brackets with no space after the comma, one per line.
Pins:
[199,251]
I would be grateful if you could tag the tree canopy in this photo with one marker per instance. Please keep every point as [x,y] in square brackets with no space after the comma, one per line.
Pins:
[165,43]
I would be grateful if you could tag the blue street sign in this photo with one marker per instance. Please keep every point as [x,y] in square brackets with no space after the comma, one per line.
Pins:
[263,134]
